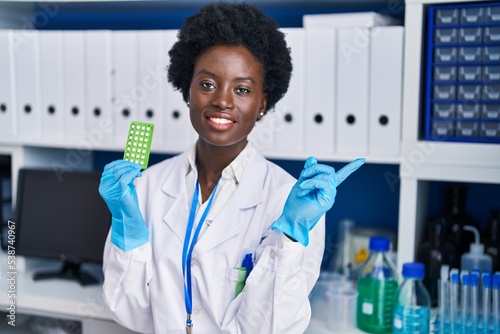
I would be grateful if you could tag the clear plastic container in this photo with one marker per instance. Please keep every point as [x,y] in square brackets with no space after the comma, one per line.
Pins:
[377,287]
[476,258]
[412,311]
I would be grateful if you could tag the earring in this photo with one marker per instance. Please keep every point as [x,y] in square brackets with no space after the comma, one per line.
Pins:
[187,103]
[261,114]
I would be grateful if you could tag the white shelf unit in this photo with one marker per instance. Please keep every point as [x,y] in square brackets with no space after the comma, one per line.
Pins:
[425,161]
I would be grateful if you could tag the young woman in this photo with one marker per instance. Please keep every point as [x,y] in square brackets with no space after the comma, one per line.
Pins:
[218,239]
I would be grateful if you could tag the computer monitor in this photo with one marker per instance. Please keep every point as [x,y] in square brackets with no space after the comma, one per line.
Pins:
[61,216]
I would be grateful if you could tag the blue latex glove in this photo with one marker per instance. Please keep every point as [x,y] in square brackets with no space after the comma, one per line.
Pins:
[128,228]
[311,197]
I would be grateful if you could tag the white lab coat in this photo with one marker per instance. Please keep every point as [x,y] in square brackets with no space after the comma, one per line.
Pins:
[143,288]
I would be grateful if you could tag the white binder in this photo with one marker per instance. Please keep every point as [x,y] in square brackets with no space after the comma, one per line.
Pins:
[353,52]
[386,81]
[74,89]
[152,82]
[264,132]
[7,98]
[52,113]
[27,83]
[320,96]
[98,83]
[179,133]
[126,89]
[290,129]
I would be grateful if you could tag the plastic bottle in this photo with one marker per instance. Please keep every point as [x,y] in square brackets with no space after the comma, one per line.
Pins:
[377,287]
[413,305]
[476,258]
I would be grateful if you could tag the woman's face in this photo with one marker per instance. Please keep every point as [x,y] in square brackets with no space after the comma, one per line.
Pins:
[226,95]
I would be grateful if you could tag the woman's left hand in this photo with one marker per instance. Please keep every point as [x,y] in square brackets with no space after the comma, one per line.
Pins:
[311,197]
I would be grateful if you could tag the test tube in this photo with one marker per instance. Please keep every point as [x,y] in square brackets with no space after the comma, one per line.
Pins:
[495,307]
[479,288]
[486,301]
[464,301]
[444,298]
[474,312]
[454,309]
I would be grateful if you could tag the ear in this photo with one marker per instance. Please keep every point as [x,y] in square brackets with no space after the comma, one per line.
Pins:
[263,105]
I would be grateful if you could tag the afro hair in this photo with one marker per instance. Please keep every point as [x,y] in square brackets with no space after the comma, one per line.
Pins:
[235,24]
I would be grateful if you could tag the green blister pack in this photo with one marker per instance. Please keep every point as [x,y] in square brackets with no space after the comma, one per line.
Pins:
[138,147]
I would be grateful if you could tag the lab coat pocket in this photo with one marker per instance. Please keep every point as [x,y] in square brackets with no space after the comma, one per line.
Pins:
[235,282]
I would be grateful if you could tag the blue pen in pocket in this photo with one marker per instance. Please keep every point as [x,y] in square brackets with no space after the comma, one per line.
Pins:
[247,264]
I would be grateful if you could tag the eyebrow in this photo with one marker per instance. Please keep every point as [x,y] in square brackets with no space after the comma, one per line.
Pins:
[203,71]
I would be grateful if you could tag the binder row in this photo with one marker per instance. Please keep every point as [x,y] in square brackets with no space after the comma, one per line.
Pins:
[345,94]
[81,87]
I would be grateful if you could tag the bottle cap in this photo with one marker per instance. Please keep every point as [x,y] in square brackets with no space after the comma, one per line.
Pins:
[414,270]
[379,244]
[455,278]
[473,279]
[495,282]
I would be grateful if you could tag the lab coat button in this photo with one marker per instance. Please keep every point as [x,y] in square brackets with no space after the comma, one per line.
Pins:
[196,311]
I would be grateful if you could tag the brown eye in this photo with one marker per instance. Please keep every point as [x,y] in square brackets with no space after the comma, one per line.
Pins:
[242,90]
[207,85]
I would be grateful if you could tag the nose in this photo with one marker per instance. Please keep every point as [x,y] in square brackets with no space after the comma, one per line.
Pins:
[223,99]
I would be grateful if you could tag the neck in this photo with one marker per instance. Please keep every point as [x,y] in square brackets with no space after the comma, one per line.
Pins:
[211,161]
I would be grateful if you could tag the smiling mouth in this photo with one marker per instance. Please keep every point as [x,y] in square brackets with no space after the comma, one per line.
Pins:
[221,120]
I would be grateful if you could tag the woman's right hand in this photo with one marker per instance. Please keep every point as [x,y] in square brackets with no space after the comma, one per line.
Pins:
[128,228]
[117,186]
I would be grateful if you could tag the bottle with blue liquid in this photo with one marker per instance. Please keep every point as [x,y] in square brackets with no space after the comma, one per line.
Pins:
[413,303]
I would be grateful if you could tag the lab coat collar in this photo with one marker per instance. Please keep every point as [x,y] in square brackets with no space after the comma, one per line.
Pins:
[233,171]
[227,224]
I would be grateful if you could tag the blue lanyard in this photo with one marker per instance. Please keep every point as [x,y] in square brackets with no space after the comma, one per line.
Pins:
[187,250]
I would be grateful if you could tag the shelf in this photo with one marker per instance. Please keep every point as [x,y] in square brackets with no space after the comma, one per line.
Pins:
[458,173]
[338,157]
[451,154]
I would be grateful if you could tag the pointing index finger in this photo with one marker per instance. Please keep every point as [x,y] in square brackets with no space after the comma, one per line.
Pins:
[349,169]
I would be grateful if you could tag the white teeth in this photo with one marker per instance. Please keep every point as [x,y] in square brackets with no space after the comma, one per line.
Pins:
[221,120]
